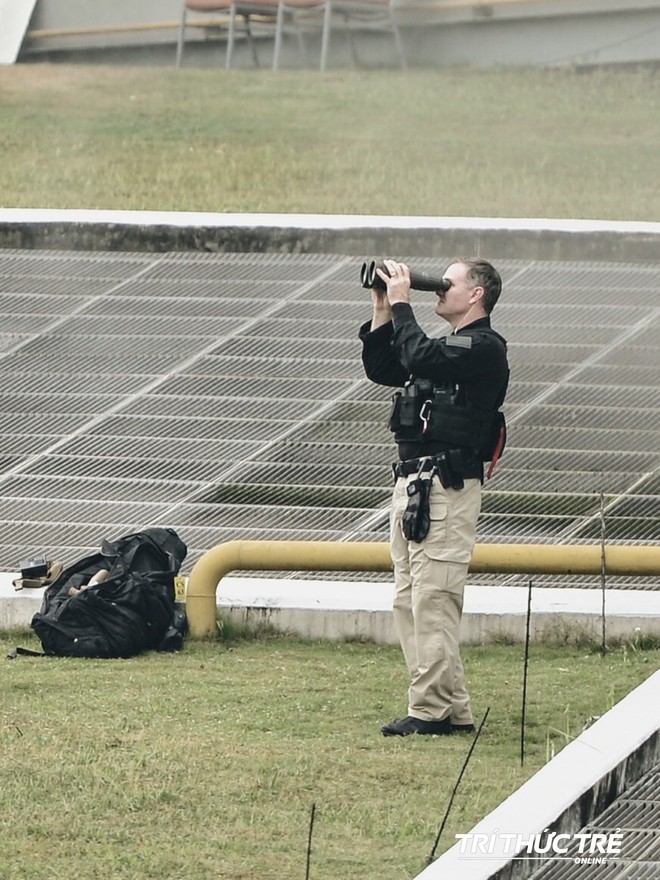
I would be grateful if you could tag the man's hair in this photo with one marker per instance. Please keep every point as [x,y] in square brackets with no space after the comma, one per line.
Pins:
[483,274]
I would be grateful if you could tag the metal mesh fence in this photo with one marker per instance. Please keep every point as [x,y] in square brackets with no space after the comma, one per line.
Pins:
[635,818]
[223,396]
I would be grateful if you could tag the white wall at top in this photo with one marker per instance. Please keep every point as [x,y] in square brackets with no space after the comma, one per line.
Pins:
[14,18]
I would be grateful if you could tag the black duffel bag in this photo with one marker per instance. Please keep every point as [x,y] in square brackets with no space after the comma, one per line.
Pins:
[118,602]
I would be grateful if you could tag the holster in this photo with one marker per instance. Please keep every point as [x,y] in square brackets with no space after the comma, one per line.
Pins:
[417,515]
[450,469]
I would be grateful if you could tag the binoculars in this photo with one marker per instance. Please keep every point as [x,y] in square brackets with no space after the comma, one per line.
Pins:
[418,280]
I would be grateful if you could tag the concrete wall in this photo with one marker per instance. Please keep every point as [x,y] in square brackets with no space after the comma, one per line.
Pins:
[500,238]
[338,610]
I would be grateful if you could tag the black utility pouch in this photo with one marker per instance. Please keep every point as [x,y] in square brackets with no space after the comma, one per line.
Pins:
[417,515]
[404,414]
[449,467]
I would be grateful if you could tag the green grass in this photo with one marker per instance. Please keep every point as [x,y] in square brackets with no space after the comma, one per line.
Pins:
[464,142]
[205,764]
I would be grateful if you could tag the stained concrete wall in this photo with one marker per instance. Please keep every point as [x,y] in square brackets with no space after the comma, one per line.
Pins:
[519,239]
[348,610]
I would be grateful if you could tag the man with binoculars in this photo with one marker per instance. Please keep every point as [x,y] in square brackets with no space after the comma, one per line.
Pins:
[446,422]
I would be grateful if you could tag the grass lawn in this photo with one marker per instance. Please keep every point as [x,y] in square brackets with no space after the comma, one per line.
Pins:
[205,764]
[451,142]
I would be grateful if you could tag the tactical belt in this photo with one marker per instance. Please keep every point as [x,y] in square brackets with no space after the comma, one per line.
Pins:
[412,466]
[469,467]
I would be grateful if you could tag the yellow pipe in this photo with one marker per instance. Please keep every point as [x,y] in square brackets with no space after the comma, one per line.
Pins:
[334,556]
[566,559]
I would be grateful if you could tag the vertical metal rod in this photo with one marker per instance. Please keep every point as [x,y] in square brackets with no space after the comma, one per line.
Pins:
[309,840]
[603,573]
[458,782]
[526,664]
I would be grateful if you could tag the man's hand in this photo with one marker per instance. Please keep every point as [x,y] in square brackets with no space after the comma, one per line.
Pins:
[398,281]
[382,309]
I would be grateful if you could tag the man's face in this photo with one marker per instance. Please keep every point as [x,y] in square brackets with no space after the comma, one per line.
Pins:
[461,296]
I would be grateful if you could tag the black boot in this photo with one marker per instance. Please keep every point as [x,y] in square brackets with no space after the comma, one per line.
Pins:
[408,725]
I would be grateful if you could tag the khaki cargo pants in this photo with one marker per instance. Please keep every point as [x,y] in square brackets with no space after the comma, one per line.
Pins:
[430,579]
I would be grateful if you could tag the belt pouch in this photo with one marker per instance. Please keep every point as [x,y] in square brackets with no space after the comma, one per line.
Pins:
[404,412]
[450,470]
[456,469]
[417,515]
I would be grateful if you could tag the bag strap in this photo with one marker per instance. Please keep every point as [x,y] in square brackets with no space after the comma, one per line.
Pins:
[18,651]
[55,569]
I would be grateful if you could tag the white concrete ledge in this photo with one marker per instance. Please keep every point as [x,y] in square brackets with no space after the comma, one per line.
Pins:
[349,609]
[568,792]
[337,609]
[161,231]
[17,606]
[192,219]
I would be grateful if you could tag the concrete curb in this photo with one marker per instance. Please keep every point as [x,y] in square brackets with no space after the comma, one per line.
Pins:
[568,792]
[349,610]
[340,610]
[498,238]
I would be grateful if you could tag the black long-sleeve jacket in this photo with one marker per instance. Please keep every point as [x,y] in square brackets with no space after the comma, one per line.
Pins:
[474,359]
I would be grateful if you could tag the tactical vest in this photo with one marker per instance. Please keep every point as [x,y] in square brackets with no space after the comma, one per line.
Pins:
[422,411]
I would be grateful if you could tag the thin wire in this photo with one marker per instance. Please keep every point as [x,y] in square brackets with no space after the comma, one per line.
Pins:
[603,576]
[577,55]
[526,665]
[431,856]
[309,840]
